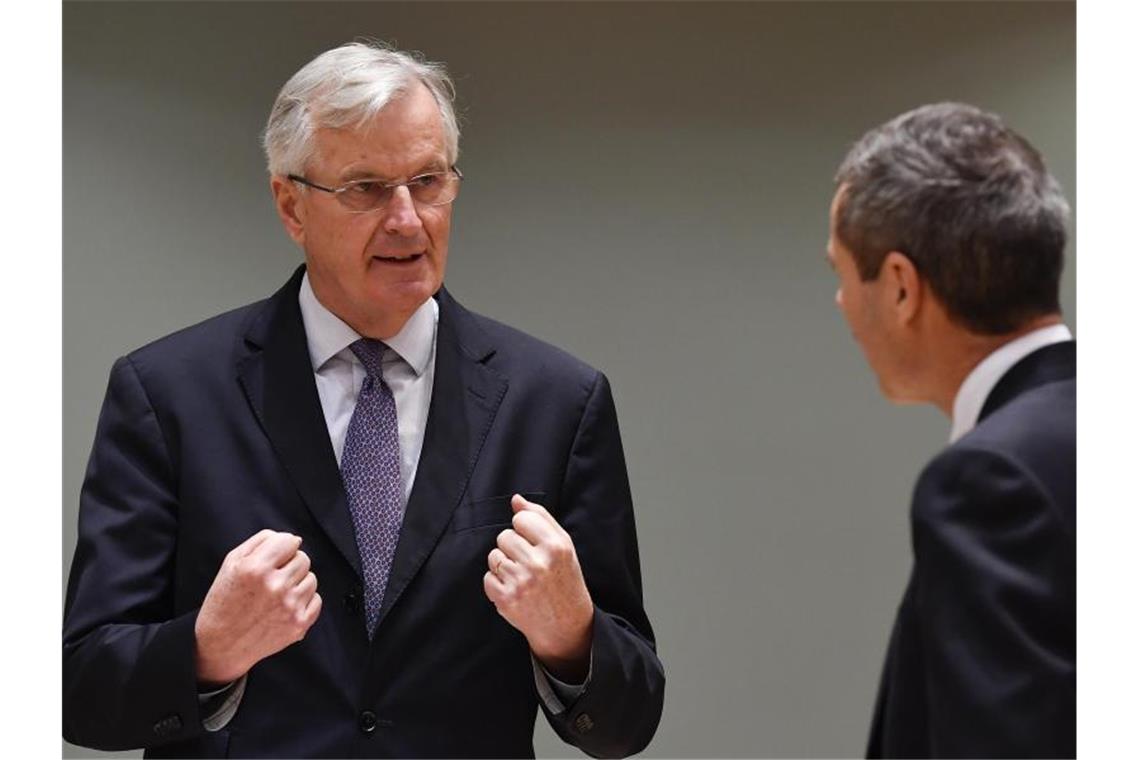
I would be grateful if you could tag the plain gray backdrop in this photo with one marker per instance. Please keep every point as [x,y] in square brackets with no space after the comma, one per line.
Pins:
[647,187]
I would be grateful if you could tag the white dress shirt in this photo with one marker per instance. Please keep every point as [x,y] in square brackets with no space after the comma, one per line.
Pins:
[408,366]
[972,394]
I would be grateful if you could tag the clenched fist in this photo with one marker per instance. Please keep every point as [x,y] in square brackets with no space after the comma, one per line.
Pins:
[263,599]
[536,584]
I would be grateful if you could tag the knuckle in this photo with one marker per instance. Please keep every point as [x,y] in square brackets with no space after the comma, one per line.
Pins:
[245,568]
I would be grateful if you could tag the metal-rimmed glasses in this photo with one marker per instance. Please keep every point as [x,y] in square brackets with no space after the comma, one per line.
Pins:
[363,195]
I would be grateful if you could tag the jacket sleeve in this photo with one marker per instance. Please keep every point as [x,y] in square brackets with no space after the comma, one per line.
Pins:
[128,661]
[619,710]
[995,572]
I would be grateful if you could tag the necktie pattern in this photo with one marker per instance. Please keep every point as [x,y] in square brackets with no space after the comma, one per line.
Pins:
[370,468]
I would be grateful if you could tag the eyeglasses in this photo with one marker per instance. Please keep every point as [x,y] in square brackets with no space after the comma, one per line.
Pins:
[362,195]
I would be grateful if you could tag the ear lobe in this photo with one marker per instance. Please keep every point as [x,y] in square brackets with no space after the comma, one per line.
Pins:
[287,201]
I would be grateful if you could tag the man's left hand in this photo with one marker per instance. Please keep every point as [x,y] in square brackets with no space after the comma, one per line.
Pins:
[536,584]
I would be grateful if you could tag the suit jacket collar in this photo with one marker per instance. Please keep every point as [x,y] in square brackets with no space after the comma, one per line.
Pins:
[1051,364]
[277,377]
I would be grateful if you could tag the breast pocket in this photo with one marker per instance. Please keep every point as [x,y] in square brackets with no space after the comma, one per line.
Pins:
[490,511]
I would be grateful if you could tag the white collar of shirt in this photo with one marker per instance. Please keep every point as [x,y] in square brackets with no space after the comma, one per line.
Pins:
[328,335]
[977,386]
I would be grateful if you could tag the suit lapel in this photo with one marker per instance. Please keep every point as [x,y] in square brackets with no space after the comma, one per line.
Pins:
[277,378]
[1051,364]
[465,397]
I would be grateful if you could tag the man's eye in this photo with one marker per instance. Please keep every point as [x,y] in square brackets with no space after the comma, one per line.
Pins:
[364,188]
[425,180]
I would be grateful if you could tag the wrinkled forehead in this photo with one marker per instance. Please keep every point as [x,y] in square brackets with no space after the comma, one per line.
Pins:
[833,213]
[837,200]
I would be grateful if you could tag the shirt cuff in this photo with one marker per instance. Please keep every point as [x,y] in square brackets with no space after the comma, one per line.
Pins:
[221,705]
[555,694]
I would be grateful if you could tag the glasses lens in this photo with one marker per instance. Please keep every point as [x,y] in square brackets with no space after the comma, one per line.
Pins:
[365,195]
[434,189]
[427,189]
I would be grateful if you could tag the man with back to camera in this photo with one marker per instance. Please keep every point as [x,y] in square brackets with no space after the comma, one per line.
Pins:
[456,489]
[947,235]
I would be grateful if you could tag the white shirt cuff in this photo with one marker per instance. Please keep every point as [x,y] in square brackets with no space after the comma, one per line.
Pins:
[218,719]
[555,694]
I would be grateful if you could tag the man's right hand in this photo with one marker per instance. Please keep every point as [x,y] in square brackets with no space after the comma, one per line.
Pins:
[263,599]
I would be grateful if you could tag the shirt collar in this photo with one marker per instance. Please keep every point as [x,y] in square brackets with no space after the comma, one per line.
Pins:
[328,335]
[976,387]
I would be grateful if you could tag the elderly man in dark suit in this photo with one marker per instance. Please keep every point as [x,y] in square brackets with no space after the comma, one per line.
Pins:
[454,488]
[947,235]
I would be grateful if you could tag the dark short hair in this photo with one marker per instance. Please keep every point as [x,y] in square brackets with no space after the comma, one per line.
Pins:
[969,201]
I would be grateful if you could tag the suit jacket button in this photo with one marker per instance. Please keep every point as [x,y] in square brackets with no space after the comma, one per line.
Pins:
[584,723]
[367,721]
[171,724]
[352,602]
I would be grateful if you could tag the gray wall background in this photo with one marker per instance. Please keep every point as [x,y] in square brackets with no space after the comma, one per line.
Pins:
[647,187]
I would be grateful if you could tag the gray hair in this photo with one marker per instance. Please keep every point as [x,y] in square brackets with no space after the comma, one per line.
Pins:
[345,87]
[969,201]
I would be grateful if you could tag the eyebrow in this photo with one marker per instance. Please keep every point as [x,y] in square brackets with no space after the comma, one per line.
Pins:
[430,167]
[355,174]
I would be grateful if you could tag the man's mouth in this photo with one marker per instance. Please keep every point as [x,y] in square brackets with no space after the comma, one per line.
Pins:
[402,258]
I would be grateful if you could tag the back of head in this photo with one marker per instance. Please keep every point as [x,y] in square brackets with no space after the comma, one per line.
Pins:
[969,201]
[345,87]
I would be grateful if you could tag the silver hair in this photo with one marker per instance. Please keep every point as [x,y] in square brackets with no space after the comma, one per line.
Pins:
[345,87]
[969,201]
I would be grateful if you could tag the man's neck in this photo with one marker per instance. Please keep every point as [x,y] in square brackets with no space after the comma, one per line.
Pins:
[376,326]
[380,328]
[960,351]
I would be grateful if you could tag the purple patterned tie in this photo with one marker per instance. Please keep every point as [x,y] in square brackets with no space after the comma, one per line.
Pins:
[370,467]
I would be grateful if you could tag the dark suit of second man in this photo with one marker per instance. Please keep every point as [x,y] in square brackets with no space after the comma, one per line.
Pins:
[947,235]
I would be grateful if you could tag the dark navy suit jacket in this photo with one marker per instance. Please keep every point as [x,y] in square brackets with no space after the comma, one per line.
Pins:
[215,432]
[982,659]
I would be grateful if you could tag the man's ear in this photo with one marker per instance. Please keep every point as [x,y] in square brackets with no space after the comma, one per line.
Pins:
[287,200]
[905,289]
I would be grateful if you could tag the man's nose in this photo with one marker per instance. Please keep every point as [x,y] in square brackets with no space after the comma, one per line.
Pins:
[400,215]
[839,297]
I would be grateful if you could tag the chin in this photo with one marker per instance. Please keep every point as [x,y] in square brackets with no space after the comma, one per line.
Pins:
[394,300]
[888,390]
[407,294]
[901,396]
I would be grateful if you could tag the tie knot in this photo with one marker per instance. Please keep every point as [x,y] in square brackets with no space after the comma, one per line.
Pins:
[369,351]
